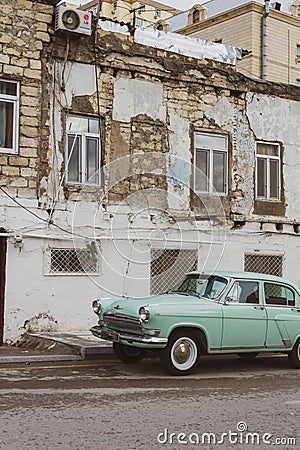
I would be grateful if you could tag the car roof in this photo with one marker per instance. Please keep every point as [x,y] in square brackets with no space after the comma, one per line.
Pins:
[246,275]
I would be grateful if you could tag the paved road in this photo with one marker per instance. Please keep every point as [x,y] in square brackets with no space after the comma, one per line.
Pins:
[109,406]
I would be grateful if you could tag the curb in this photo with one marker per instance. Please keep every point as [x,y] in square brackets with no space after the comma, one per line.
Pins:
[42,358]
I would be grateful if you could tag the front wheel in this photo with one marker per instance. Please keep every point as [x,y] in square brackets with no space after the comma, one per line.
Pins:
[128,354]
[181,354]
[294,356]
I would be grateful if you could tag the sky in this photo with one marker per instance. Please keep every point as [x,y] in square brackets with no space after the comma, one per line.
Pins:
[180,4]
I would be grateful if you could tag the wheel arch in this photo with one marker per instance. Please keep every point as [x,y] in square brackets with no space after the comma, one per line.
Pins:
[198,332]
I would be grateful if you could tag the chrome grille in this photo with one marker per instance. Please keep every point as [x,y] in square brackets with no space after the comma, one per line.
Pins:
[122,322]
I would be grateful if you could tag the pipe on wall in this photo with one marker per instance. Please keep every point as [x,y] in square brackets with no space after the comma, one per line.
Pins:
[264,40]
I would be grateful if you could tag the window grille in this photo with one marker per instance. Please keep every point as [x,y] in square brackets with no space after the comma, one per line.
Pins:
[168,267]
[67,261]
[270,264]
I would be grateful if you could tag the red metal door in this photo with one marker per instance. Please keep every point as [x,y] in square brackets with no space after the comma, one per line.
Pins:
[3,245]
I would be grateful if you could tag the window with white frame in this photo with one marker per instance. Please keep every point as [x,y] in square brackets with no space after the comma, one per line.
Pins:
[9,116]
[210,163]
[267,171]
[83,150]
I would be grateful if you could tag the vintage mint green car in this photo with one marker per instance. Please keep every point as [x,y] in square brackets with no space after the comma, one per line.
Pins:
[207,313]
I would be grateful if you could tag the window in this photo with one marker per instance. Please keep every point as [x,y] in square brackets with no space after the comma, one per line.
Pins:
[168,266]
[298,51]
[298,11]
[157,14]
[196,16]
[276,294]
[83,150]
[267,171]
[139,23]
[244,292]
[67,261]
[298,82]
[210,162]
[9,116]
[271,264]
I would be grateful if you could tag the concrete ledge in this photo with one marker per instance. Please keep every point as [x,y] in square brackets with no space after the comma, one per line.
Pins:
[30,359]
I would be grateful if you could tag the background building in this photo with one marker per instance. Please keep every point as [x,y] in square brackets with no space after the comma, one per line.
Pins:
[141,14]
[243,24]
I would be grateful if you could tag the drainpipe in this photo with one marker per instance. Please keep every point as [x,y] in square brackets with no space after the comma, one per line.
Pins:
[264,40]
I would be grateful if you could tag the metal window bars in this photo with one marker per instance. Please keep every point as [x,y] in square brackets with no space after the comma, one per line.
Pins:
[169,266]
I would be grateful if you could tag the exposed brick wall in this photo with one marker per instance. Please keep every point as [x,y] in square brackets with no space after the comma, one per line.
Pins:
[24,32]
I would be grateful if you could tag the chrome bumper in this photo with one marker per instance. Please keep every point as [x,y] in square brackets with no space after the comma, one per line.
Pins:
[117,336]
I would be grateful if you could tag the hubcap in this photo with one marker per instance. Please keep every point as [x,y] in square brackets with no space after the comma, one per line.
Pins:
[184,353]
[298,352]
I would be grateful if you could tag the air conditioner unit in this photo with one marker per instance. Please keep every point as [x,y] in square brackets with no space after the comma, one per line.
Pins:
[73,20]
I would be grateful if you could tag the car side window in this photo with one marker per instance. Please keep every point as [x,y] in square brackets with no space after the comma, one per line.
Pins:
[245,292]
[277,294]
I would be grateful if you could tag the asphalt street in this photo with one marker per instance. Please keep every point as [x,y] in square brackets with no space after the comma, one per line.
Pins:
[107,405]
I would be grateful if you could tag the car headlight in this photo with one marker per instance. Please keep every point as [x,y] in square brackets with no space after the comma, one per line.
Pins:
[97,307]
[144,314]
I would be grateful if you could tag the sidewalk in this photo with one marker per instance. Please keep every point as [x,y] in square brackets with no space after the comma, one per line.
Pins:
[38,347]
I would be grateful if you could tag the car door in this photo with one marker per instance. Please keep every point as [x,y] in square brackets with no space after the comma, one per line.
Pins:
[244,317]
[283,314]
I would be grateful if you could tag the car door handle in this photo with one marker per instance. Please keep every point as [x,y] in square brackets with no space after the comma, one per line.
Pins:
[259,307]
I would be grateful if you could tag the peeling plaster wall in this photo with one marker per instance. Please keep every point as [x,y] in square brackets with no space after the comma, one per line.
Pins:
[179,163]
[275,119]
[134,97]
[243,165]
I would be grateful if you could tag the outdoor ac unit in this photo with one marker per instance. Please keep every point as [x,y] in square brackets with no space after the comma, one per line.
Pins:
[73,20]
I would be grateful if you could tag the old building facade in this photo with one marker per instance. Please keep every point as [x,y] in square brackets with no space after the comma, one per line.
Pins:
[123,166]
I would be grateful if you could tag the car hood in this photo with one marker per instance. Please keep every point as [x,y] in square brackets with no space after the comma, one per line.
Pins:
[160,304]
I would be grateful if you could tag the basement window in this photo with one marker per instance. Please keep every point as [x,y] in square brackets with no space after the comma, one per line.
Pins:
[210,163]
[70,261]
[83,151]
[9,116]
[268,169]
[169,266]
[270,264]
[298,51]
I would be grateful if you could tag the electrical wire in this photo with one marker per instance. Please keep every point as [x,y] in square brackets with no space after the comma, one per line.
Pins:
[24,207]
[48,221]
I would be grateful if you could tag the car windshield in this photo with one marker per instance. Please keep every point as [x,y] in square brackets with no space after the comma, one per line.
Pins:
[201,285]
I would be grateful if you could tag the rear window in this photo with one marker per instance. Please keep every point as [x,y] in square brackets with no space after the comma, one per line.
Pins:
[277,294]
